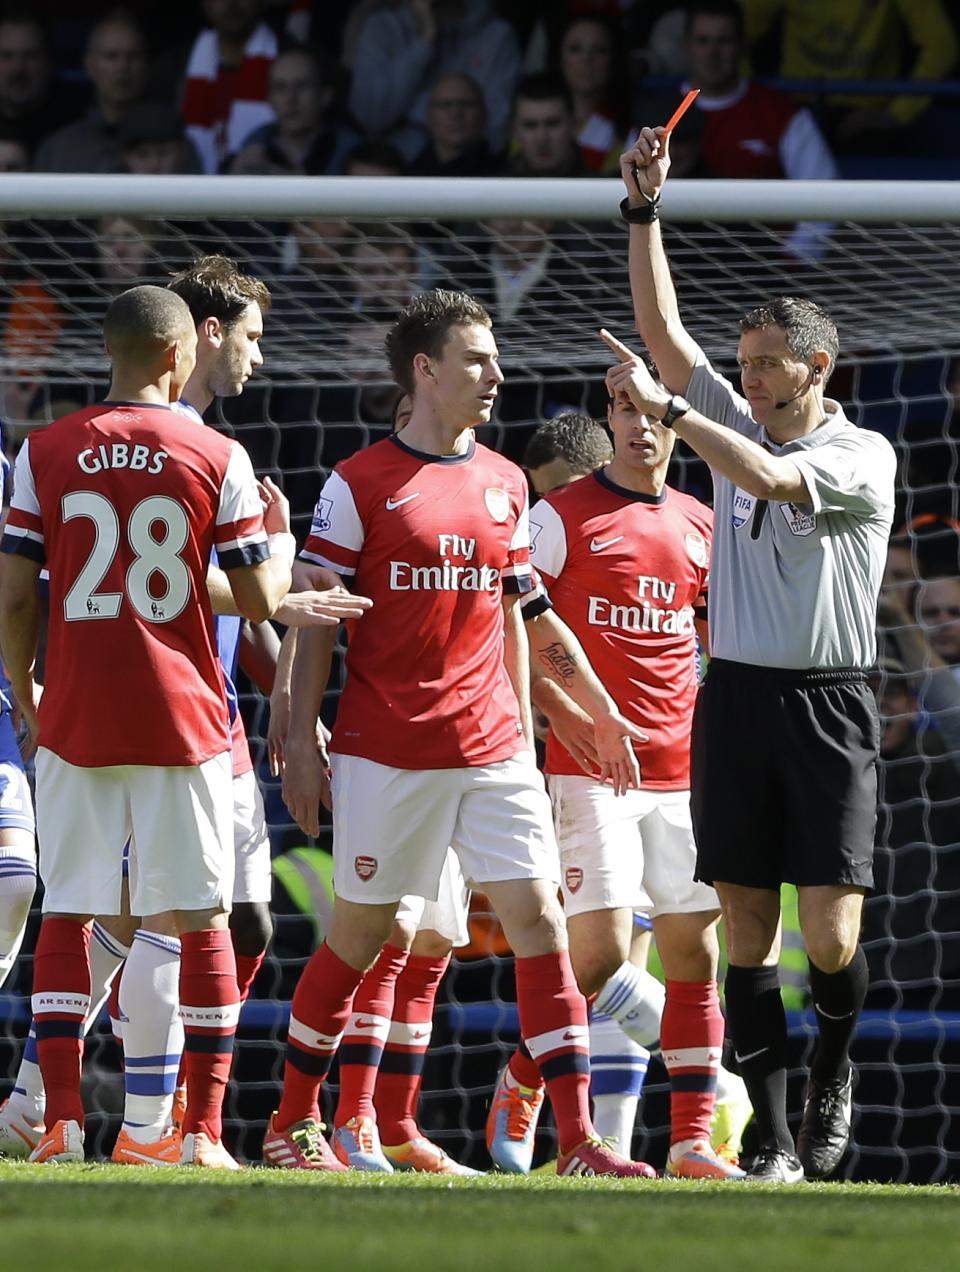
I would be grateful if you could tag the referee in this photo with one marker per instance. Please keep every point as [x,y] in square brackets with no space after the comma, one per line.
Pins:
[786,732]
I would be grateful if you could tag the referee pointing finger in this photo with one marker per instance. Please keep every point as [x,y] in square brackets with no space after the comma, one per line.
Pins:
[785,735]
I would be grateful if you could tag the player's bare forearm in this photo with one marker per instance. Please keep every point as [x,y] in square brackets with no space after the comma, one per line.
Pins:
[259,589]
[308,682]
[259,654]
[516,658]
[219,590]
[740,460]
[656,310]
[555,650]
[280,703]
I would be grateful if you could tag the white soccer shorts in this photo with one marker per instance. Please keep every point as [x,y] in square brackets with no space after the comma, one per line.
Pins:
[179,821]
[448,914]
[252,880]
[633,851]
[392,827]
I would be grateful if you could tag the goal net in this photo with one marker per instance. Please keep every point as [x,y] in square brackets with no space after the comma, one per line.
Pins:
[549,259]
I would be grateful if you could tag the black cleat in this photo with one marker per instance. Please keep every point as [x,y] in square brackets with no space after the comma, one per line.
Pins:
[774,1165]
[825,1128]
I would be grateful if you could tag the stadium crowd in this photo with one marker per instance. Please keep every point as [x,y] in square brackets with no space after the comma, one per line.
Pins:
[451,88]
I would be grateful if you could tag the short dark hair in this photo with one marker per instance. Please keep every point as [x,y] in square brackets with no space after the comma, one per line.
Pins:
[543,87]
[214,287]
[378,154]
[424,325]
[143,321]
[806,326]
[715,9]
[575,438]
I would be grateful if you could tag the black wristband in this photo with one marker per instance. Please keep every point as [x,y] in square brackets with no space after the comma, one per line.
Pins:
[646,214]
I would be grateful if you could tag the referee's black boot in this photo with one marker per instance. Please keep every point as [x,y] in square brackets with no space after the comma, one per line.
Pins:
[774,1165]
[825,1128]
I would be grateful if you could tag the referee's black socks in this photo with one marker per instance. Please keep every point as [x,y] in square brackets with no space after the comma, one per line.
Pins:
[758,1027]
[837,1000]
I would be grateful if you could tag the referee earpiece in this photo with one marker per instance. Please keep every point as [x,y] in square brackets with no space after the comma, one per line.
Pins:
[817,372]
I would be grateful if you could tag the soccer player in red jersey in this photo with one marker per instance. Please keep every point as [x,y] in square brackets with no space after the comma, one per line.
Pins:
[433,744]
[625,559]
[124,502]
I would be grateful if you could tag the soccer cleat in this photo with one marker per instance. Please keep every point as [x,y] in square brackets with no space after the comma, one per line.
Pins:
[62,1143]
[198,1149]
[730,1118]
[179,1110]
[701,1161]
[300,1147]
[162,1152]
[18,1136]
[825,1127]
[512,1125]
[428,1158]
[774,1165]
[593,1157]
[357,1145]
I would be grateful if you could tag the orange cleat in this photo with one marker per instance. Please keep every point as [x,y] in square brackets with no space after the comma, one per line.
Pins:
[62,1143]
[162,1152]
[428,1158]
[18,1135]
[179,1110]
[198,1149]
[702,1161]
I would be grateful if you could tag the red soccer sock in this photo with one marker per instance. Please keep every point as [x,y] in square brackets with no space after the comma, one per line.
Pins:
[210,1008]
[318,1014]
[401,1069]
[247,967]
[366,1034]
[524,1069]
[691,1043]
[61,1000]
[553,1021]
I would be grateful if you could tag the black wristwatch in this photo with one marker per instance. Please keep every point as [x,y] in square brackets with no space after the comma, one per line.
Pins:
[676,407]
[643,214]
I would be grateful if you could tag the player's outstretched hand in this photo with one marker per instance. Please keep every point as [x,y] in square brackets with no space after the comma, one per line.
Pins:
[617,760]
[645,166]
[276,507]
[306,785]
[321,609]
[630,375]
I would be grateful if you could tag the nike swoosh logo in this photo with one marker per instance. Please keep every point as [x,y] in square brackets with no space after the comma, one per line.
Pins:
[751,1055]
[597,546]
[365,1024]
[398,503]
[572,1037]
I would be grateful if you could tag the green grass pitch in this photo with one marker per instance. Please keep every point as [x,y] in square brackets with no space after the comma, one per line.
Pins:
[104,1217]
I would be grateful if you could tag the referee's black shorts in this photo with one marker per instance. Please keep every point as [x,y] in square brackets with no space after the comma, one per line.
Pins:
[784,780]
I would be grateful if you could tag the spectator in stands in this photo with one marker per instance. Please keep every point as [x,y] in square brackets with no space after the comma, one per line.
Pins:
[588,57]
[26,99]
[402,51]
[153,141]
[911,921]
[126,254]
[226,90]
[304,137]
[373,159]
[848,39]
[544,137]
[116,61]
[383,266]
[14,153]
[749,130]
[456,123]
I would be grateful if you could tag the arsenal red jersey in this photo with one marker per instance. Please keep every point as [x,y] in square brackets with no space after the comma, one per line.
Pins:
[123,503]
[628,572]
[435,541]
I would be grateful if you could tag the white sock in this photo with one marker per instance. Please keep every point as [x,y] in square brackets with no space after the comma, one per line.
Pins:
[28,1096]
[18,882]
[729,1085]
[152,1034]
[618,1067]
[635,1000]
[106,957]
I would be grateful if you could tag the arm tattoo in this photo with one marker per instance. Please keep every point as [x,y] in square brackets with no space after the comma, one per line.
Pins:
[560,662]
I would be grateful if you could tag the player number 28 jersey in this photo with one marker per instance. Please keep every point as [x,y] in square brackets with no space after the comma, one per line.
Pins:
[628,573]
[434,542]
[124,503]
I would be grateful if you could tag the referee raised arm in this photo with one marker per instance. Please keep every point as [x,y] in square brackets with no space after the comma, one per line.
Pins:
[785,734]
